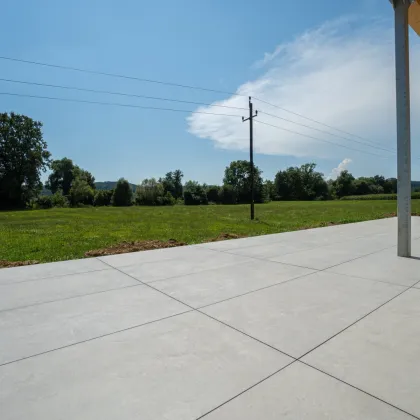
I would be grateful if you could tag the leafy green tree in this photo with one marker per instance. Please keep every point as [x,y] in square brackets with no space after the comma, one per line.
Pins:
[177,180]
[81,192]
[301,183]
[172,183]
[103,197]
[344,184]
[227,194]
[362,186]
[390,186]
[269,190]
[152,193]
[64,171]
[194,193]
[85,175]
[123,194]
[238,176]
[23,156]
[61,176]
[212,192]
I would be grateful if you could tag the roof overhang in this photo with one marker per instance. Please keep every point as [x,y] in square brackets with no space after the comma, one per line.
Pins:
[413,14]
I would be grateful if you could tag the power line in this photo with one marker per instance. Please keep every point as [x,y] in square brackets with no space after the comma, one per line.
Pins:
[115,104]
[77,69]
[315,121]
[116,93]
[322,140]
[327,132]
[121,76]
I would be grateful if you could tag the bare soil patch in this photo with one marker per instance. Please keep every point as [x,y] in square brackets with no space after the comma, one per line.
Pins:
[226,236]
[6,264]
[134,246]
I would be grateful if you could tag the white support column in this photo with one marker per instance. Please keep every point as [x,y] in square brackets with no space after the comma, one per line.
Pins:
[402,72]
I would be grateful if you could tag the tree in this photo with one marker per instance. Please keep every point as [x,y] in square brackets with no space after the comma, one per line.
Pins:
[270,190]
[177,179]
[85,175]
[64,171]
[390,186]
[81,192]
[194,193]
[213,195]
[238,176]
[152,193]
[227,194]
[23,155]
[103,197]
[61,176]
[301,183]
[344,184]
[172,183]
[362,187]
[123,193]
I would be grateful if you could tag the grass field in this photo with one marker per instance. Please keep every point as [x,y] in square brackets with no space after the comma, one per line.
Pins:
[61,234]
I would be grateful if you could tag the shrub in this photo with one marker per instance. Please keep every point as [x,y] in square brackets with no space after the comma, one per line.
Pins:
[59,200]
[123,194]
[103,197]
[44,202]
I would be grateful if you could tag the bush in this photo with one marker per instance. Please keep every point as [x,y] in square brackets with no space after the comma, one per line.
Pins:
[103,197]
[44,202]
[59,200]
[123,194]
[414,196]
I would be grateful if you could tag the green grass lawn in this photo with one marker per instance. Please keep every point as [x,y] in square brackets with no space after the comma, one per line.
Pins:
[61,234]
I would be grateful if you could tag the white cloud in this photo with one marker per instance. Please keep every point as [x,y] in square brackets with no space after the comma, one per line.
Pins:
[342,166]
[341,73]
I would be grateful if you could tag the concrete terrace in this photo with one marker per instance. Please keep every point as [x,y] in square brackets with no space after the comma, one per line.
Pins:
[314,324]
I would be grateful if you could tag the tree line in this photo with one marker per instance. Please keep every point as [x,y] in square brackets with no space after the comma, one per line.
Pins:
[24,156]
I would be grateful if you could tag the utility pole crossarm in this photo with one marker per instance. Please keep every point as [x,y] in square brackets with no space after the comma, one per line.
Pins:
[251,151]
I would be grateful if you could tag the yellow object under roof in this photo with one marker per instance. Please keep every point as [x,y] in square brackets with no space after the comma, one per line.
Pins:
[414,16]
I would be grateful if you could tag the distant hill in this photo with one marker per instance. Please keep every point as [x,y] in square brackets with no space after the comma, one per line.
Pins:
[106,185]
[110,185]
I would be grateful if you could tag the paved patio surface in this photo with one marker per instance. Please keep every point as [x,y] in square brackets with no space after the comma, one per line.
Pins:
[314,324]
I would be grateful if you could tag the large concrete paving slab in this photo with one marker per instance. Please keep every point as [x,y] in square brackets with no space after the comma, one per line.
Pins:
[324,257]
[35,329]
[383,266]
[178,368]
[157,255]
[300,392]
[41,271]
[31,292]
[297,316]
[380,354]
[219,284]
[182,265]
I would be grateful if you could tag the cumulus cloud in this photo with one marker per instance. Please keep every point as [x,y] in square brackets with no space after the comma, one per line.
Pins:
[341,74]
[342,166]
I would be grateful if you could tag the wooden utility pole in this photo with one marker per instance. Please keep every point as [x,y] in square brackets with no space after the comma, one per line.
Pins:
[251,152]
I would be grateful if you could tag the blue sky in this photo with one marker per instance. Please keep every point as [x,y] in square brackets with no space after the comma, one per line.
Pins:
[299,60]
